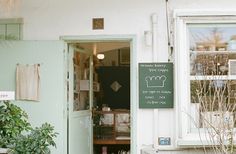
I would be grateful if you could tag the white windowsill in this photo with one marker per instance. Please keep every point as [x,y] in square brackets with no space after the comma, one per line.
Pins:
[191,143]
[195,142]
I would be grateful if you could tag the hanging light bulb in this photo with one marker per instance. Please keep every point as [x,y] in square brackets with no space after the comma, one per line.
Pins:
[100,56]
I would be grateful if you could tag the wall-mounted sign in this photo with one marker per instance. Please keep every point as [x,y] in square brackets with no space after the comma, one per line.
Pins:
[7,95]
[156,85]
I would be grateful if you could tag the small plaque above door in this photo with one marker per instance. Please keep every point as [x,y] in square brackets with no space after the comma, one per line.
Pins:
[98,23]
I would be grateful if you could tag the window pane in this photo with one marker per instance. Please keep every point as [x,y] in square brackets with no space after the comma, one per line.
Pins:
[81,81]
[2,31]
[13,32]
[11,28]
[212,37]
[212,53]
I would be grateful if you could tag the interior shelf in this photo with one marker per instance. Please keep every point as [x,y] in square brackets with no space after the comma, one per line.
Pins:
[110,141]
[113,127]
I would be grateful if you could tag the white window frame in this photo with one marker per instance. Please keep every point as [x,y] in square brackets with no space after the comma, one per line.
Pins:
[182,71]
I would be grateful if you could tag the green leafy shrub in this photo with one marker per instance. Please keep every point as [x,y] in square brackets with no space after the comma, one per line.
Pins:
[13,121]
[17,134]
[36,142]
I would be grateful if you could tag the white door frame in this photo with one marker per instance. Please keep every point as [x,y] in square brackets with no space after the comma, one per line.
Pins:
[133,77]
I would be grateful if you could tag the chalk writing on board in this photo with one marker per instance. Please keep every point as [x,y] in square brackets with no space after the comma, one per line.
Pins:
[156,85]
[155,81]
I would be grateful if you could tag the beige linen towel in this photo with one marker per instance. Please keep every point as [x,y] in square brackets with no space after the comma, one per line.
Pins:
[27,82]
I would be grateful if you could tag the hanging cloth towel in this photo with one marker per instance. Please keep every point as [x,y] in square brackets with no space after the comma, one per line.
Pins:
[27,82]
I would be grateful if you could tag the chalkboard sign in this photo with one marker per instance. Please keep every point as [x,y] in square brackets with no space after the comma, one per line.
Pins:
[156,85]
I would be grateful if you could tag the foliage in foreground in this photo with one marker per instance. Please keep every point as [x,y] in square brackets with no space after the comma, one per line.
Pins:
[17,134]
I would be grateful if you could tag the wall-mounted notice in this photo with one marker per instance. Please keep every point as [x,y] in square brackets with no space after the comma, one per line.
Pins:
[7,95]
[156,85]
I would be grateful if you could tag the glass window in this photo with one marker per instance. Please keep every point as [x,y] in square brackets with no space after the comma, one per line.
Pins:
[11,29]
[212,54]
[81,81]
[2,31]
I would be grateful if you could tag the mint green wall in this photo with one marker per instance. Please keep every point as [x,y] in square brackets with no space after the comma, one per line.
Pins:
[49,54]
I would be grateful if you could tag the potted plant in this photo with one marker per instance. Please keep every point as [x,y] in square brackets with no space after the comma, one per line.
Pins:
[17,134]
[96,125]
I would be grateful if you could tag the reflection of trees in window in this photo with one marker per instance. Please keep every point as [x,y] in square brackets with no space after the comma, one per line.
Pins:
[209,64]
[11,30]
[214,96]
[212,89]
[2,37]
[11,37]
[207,39]
[8,37]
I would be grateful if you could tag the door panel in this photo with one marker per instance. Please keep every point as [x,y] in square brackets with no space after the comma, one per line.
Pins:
[49,54]
[79,102]
[51,107]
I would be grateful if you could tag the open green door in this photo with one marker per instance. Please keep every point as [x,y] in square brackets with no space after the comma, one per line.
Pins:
[80,100]
[51,105]
[59,90]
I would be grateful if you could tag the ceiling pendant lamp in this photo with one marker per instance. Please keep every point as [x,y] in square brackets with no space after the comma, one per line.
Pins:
[100,56]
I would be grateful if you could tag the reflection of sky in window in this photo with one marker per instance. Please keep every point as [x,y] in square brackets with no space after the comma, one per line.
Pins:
[204,33]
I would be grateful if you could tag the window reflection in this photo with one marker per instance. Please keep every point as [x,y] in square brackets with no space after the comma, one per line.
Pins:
[212,54]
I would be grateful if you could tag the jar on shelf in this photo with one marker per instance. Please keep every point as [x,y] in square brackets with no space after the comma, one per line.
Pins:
[232,44]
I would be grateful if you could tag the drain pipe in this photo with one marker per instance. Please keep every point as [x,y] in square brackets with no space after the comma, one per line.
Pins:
[155,58]
[154,38]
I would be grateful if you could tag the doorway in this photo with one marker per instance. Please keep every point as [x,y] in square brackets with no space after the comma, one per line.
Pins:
[104,89]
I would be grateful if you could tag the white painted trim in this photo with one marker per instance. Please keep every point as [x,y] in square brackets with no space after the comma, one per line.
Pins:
[202,12]
[97,38]
[178,72]
[191,143]
[133,93]
[133,74]
[65,113]
[156,128]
